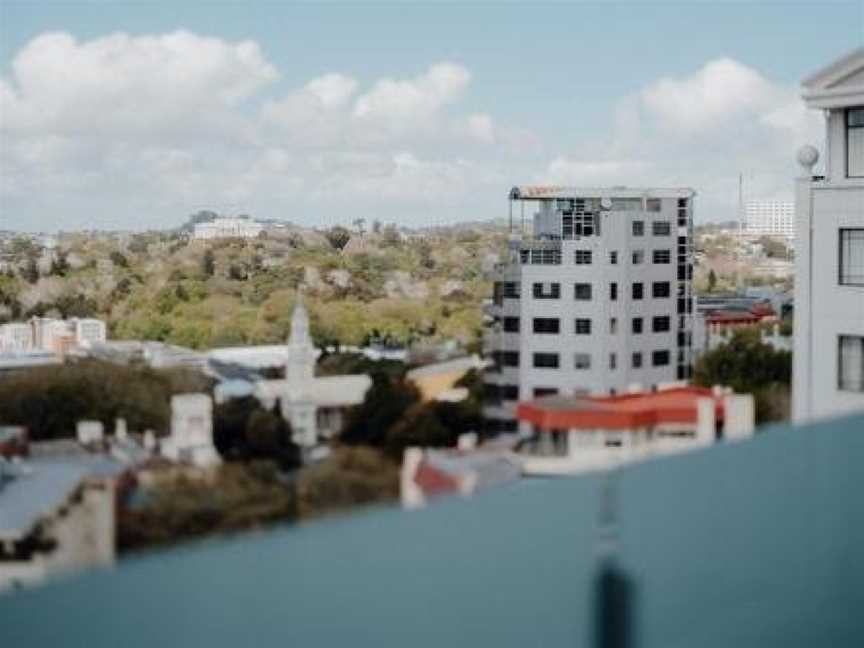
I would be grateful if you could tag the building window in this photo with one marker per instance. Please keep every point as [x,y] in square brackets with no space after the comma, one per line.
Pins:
[539,392]
[637,325]
[509,358]
[582,361]
[638,257]
[652,205]
[546,325]
[543,257]
[661,228]
[660,289]
[613,361]
[852,257]
[850,364]
[855,142]
[613,291]
[547,290]
[638,290]
[582,257]
[613,257]
[546,360]
[509,392]
[512,289]
[660,358]
[583,326]
[613,325]
[662,256]
[660,324]
[510,324]
[582,291]
[637,360]
[638,228]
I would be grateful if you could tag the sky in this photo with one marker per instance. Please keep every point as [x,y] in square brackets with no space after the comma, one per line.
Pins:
[133,115]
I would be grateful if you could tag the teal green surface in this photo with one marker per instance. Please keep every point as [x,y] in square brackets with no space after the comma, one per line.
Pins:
[753,544]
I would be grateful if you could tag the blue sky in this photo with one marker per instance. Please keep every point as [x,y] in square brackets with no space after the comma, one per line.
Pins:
[564,92]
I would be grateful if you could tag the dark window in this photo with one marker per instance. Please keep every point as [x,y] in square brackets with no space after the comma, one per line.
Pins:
[613,291]
[852,257]
[638,290]
[613,361]
[546,290]
[638,228]
[583,326]
[660,358]
[582,291]
[850,364]
[582,361]
[662,256]
[546,360]
[638,257]
[509,358]
[511,289]
[637,360]
[545,257]
[637,325]
[660,289]
[661,228]
[582,257]
[546,325]
[613,325]
[613,257]
[510,324]
[660,324]
[539,392]
[510,392]
[855,142]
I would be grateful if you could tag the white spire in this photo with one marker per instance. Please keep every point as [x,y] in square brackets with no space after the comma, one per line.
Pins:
[299,336]
[300,361]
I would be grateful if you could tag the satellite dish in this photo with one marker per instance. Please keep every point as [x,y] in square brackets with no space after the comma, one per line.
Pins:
[605,203]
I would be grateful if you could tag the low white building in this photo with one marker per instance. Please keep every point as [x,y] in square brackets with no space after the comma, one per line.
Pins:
[572,434]
[16,336]
[227,227]
[191,439]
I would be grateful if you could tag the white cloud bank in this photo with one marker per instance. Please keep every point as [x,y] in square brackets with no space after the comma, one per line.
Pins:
[139,131]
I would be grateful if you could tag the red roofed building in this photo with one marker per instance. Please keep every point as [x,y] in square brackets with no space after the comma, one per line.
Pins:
[577,433]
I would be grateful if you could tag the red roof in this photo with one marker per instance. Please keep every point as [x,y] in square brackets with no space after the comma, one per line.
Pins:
[620,412]
[433,481]
[732,317]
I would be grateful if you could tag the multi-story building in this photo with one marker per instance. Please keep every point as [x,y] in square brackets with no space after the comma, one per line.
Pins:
[598,299]
[225,227]
[828,365]
[16,336]
[769,218]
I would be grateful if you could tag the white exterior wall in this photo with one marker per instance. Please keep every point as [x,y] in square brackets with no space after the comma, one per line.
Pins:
[615,235]
[227,228]
[16,336]
[825,309]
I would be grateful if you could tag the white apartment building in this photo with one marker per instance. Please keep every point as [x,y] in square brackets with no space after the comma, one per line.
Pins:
[828,364]
[769,218]
[227,227]
[597,300]
[16,336]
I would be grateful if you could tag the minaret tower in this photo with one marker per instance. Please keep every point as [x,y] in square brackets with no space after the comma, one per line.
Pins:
[297,405]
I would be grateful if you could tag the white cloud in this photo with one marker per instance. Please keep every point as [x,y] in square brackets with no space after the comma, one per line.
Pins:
[701,131]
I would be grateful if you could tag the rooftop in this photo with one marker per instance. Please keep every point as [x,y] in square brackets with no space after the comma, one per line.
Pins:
[758,543]
[544,192]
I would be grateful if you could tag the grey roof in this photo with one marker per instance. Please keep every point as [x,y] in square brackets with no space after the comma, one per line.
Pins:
[757,543]
[38,487]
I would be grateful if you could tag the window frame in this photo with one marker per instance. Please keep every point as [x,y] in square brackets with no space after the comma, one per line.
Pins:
[841,386]
[848,131]
[840,275]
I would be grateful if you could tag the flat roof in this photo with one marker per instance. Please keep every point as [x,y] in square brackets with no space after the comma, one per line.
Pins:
[547,192]
[619,412]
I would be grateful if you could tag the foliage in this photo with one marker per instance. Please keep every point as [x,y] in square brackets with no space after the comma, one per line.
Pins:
[234,497]
[749,366]
[49,401]
[712,280]
[118,259]
[242,429]
[338,237]
[349,477]
[208,263]
[386,401]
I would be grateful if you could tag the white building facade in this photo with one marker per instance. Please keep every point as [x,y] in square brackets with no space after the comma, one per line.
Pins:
[227,227]
[598,299]
[770,218]
[828,364]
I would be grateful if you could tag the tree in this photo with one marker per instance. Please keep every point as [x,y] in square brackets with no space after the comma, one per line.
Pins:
[773,248]
[390,236]
[243,429]
[386,401]
[208,263]
[30,274]
[360,226]
[712,280]
[59,265]
[118,259]
[749,366]
[338,237]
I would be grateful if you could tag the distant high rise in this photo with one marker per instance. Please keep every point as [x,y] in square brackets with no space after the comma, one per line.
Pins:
[769,218]
[598,299]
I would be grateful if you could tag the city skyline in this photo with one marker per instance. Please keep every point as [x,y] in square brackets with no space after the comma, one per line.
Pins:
[412,114]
